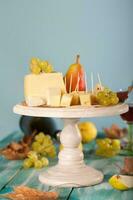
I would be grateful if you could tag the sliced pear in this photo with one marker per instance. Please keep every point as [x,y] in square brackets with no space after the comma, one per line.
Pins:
[117,182]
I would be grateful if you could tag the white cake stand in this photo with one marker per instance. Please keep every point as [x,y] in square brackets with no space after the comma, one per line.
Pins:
[71,170]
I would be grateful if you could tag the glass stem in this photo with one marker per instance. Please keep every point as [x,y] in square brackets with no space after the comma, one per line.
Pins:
[130,136]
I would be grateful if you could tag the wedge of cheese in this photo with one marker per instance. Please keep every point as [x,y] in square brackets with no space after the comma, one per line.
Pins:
[36,87]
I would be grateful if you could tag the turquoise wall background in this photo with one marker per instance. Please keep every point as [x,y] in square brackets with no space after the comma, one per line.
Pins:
[101,31]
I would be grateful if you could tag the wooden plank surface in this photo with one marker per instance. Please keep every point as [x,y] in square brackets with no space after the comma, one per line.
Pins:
[9,169]
[12,174]
[103,191]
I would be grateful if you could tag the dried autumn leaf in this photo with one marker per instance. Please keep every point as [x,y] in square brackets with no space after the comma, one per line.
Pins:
[26,193]
[18,150]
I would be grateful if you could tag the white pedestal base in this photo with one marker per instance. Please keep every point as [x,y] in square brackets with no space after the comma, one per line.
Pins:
[71,177]
[71,170]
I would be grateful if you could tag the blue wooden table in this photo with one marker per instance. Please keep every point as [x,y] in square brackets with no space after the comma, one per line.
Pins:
[12,174]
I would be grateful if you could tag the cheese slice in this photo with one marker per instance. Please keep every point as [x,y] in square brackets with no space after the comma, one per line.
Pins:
[66,100]
[85,99]
[38,85]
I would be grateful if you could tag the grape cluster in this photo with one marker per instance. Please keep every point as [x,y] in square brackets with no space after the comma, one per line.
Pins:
[41,148]
[37,66]
[107,97]
[107,147]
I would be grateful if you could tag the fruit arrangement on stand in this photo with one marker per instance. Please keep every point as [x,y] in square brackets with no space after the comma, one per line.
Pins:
[70,89]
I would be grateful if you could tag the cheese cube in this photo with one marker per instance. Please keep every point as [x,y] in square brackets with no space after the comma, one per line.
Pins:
[53,97]
[66,100]
[85,99]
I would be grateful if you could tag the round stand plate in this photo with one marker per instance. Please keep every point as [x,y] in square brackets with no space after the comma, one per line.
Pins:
[71,112]
[71,170]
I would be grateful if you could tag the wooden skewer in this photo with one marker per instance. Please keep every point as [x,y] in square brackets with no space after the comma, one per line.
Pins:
[77,85]
[86,87]
[92,88]
[99,80]
[70,86]
[78,82]
[65,83]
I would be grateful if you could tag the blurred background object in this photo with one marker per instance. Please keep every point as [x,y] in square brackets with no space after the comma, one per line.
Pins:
[39,124]
[128,119]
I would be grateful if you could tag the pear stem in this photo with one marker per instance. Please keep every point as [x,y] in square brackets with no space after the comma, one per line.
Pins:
[78,59]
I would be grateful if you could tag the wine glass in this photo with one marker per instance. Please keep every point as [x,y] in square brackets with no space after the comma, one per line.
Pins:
[128,118]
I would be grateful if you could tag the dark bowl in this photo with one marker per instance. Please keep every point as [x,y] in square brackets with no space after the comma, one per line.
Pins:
[122,95]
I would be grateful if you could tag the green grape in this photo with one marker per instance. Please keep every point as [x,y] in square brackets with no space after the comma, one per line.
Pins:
[43,65]
[49,148]
[36,146]
[48,137]
[47,143]
[105,102]
[38,164]
[114,100]
[44,153]
[100,152]
[40,137]
[112,94]
[110,153]
[106,90]
[108,147]
[100,95]
[35,69]
[51,151]
[34,61]
[45,161]
[33,156]
[27,163]
[108,140]
[107,97]
[116,144]
[100,142]
[48,69]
